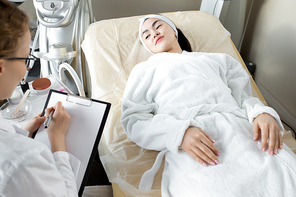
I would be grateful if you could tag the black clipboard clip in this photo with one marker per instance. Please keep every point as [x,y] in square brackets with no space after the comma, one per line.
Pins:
[79,100]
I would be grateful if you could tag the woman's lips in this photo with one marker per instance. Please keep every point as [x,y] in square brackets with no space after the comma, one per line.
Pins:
[158,40]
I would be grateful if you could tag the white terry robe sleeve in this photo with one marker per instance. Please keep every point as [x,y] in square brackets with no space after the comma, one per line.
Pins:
[238,80]
[140,119]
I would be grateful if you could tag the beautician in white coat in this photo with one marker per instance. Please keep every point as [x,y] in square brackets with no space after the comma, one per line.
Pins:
[27,167]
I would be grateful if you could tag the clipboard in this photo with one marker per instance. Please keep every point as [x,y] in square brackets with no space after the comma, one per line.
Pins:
[88,118]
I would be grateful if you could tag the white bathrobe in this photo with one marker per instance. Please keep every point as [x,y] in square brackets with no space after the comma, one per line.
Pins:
[170,92]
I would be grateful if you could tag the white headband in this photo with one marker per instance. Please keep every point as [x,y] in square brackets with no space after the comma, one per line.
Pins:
[165,19]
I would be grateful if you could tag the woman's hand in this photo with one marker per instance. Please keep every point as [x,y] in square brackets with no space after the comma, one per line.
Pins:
[34,124]
[269,131]
[199,145]
[58,127]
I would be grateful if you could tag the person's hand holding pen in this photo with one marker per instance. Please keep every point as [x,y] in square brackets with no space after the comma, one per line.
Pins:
[34,124]
[57,127]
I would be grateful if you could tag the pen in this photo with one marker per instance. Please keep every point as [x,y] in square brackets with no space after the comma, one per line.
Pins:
[48,119]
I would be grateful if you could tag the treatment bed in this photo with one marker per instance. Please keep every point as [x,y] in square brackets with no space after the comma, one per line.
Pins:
[112,48]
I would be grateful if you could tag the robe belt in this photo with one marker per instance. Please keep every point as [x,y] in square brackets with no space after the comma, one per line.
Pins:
[148,177]
[193,112]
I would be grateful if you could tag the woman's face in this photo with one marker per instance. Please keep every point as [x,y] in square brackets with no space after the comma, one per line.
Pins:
[13,71]
[159,36]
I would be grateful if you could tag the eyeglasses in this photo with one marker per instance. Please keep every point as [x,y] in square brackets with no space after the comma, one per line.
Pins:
[27,59]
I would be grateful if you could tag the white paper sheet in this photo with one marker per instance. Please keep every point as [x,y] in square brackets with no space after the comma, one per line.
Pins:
[86,126]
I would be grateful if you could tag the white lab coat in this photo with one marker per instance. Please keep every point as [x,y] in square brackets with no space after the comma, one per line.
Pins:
[28,168]
[170,92]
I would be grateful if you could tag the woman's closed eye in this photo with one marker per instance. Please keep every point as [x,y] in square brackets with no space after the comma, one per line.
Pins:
[148,35]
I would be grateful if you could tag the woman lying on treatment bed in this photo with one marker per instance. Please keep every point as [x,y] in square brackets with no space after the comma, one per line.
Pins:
[197,109]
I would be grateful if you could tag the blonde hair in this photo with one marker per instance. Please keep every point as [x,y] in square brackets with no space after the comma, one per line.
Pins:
[13,25]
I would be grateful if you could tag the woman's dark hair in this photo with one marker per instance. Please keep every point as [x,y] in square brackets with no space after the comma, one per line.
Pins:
[183,41]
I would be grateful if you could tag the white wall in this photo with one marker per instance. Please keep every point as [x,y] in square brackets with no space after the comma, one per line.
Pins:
[235,19]
[270,42]
[106,9]
[29,8]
